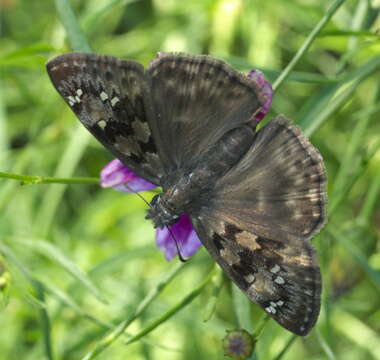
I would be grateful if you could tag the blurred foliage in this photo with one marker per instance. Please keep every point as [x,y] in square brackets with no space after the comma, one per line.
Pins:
[81,259]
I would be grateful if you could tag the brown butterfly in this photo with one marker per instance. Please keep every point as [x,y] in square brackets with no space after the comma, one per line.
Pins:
[187,123]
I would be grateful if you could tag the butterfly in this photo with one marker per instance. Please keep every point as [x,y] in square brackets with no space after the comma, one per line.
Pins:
[187,124]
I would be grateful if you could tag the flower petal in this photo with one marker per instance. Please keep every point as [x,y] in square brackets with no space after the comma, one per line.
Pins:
[184,233]
[266,91]
[115,174]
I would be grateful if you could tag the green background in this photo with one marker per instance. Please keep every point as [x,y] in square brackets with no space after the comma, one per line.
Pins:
[77,259]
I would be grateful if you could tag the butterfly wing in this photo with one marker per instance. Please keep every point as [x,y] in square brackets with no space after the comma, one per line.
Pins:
[258,220]
[197,99]
[278,189]
[111,99]
[161,119]
[284,280]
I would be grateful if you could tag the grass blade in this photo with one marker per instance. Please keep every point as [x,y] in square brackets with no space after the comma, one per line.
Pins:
[357,332]
[330,99]
[356,255]
[77,39]
[66,167]
[56,255]
[121,328]
[171,312]
[325,346]
[242,307]
[286,347]
[306,45]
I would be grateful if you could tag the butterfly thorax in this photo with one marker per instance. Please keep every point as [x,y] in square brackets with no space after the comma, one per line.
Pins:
[185,192]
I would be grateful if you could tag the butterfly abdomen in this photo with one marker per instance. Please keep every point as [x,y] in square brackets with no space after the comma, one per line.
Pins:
[226,153]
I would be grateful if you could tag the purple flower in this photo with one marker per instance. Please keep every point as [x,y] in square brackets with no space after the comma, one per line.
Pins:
[266,91]
[116,175]
[184,233]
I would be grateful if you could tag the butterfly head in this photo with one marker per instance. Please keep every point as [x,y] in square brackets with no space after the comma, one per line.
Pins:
[160,213]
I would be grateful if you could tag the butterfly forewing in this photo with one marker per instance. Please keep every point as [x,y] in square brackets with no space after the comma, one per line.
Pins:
[111,99]
[197,99]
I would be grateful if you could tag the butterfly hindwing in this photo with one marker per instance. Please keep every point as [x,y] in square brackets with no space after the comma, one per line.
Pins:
[284,280]
[197,99]
[111,99]
[277,190]
[257,220]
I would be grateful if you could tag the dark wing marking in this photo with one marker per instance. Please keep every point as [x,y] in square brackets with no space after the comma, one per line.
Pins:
[277,190]
[197,99]
[111,99]
[284,280]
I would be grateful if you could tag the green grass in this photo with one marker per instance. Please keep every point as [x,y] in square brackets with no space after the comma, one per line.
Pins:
[85,276]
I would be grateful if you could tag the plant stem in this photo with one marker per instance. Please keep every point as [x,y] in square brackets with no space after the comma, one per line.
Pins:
[121,328]
[286,347]
[29,179]
[179,306]
[77,38]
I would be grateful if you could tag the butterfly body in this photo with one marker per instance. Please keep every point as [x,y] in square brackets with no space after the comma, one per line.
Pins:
[188,124]
[185,192]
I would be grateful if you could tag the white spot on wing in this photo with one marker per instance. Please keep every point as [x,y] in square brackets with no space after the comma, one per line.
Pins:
[114,101]
[275,269]
[103,96]
[102,124]
[273,310]
[249,278]
[279,280]
[72,100]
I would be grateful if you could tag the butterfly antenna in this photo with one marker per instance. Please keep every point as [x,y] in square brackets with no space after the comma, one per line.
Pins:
[136,193]
[181,258]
